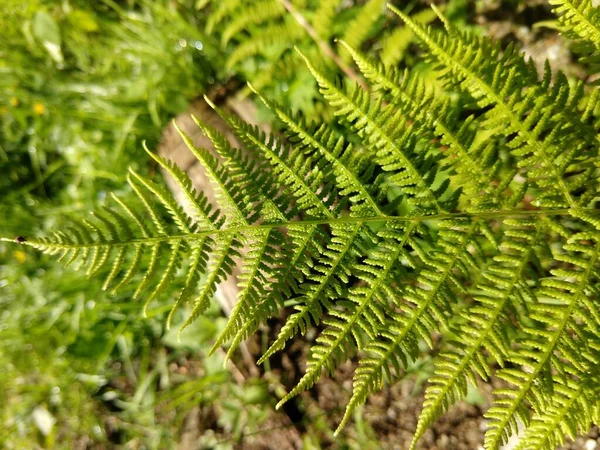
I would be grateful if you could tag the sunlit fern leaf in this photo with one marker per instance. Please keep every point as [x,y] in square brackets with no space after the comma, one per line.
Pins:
[471,213]
[323,18]
[386,131]
[301,179]
[364,308]
[572,411]
[197,266]
[485,325]
[562,305]
[348,163]
[306,241]
[358,30]
[252,173]
[580,20]
[434,116]
[221,11]
[273,35]
[421,310]
[196,202]
[396,42]
[526,119]
[330,276]
[254,14]
[219,267]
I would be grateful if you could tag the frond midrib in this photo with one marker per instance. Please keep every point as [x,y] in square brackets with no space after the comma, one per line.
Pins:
[322,221]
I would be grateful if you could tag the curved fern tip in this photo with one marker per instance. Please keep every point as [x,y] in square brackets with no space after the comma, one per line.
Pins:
[344,43]
[145,147]
[443,19]
[209,101]
[397,11]
[213,349]
[302,55]
[229,354]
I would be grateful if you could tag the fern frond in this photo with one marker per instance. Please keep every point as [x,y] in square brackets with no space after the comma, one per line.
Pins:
[305,241]
[229,193]
[572,410]
[580,20]
[395,44]
[423,307]
[332,274]
[196,202]
[322,19]
[358,30]
[385,130]
[471,212]
[197,266]
[182,221]
[254,176]
[435,117]
[478,66]
[363,311]
[223,9]
[302,179]
[277,34]
[253,15]
[344,159]
[484,328]
[562,303]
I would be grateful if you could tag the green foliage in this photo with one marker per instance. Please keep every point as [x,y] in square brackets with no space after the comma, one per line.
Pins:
[580,21]
[259,38]
[469,212]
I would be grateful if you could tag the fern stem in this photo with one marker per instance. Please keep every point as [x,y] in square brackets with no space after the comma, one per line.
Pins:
[325,221]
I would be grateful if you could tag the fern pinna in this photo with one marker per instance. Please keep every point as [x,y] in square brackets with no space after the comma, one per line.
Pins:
[473,218]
